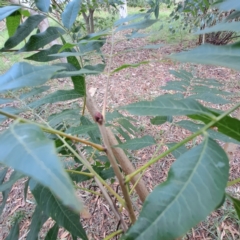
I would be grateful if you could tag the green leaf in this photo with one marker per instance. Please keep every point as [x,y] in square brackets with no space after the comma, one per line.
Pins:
[26,75]
[52,233]
[175,86]
[123,133]
[45,55]
[137,143]
[5,193]
[23,31]
[229,5]
[58,96]
[41,39]
[15,176]
[129,18]
[6,11]
[34,92]
[6,100]
[137,26]
[67,46]
[71,116]
[127,125]
[210,97]
[51,206]
[12,22]
[128,66]
[10,110]
[226,56]
[38,160]
[227,125]
[43,5]
[177,152]
[164,106]
[83,129]
[161,120]
[195,186]
[236,204]
[70,13]
[78,81]
[38,219]
[14,233]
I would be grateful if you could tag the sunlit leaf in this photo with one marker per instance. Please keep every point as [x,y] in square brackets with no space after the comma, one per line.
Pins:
[12,22]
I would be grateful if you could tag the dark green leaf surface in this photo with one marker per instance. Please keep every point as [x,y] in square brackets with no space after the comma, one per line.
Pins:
[6,11]
[12,22]
[177,152]
[15,176]
[43,5]
[127,125]
[14,232]
[228,125]
[70,116]
[194,127]
[163,106]
[83,129]
[70,13]
[26,75]
[23,31]
[161,119]
[195,186]
[226,56]
[137,143]
[38,219]
[236,204]
[58,96]
[7,191]
[212,98]
[52,207]
[41,39]
[52,233]
[38,160]
[43,55]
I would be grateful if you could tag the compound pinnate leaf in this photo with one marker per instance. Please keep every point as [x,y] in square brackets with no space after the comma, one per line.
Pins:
[70,13]
[137,143]
[6,11]
[23,31]
[26,75]
[43,5]
[52,207]
[25,148]
[195,186]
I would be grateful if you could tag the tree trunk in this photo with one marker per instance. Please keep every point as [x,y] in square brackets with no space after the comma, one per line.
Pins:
[123,9]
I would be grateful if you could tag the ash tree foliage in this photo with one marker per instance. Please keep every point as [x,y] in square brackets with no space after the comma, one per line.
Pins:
[81,143]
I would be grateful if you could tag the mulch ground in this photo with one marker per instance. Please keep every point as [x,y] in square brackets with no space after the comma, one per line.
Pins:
[127,86]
